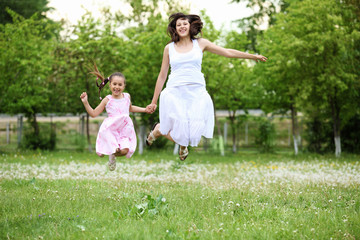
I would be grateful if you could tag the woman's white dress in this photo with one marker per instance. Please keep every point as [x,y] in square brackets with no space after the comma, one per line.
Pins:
[186,109]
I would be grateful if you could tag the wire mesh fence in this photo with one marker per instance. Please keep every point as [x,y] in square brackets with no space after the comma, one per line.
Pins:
[70,132]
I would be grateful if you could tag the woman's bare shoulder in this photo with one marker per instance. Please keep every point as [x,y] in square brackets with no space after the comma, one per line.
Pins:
[166,48]
[203,43]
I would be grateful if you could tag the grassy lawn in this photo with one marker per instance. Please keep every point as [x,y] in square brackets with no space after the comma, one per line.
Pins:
[72,195]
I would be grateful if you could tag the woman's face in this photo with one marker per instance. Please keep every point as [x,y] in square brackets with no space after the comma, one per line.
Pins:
[182,27]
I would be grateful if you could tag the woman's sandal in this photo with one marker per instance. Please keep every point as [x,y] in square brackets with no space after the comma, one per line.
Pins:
[150,137]
[183,153]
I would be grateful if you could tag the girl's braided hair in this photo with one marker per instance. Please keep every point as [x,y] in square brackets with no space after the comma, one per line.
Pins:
[99,76]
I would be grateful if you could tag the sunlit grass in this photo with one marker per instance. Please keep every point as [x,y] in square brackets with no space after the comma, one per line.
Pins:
[72,195]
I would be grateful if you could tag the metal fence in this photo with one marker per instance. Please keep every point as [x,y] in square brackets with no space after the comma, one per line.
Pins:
[71,131]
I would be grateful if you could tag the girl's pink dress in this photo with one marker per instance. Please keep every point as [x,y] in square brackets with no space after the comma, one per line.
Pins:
[117,130]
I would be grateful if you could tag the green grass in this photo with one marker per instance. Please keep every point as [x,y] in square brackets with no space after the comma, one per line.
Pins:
[61,195]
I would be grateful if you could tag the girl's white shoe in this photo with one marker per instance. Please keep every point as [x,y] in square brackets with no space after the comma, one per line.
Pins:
[112,162]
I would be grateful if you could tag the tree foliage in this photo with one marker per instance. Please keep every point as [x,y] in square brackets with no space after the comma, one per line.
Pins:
[315,62]
[265,14]
[25,8]
[313,49]
[26,60]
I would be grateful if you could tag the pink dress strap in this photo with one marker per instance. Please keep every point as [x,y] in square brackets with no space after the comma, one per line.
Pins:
[127,97]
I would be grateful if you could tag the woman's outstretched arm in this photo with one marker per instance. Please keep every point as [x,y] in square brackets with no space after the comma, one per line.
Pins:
[206,45]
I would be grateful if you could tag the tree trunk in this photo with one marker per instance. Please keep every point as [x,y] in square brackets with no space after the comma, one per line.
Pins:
[35,125]
[295,132]
[336,126]
[296,149]
[337,146]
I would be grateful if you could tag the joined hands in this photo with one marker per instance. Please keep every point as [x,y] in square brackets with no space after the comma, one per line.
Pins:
[151,108]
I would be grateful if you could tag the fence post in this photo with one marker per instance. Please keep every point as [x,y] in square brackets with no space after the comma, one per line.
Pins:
[246,132]
[8,133]
[225,132]
[20,128]
[221,146]
[82,124]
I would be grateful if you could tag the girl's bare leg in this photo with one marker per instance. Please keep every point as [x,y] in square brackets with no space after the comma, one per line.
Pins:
[112,162]
[121,152]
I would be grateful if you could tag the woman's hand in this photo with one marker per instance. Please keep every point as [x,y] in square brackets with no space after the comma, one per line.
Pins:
[148,110]
[84,97]
[260,58]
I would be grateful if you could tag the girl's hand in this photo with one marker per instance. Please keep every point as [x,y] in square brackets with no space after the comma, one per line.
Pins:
[260,58]
[148,109]
[151,108]
[84,97]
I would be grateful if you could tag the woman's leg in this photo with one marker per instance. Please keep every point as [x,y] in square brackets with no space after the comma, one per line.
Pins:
[157,133]
[183,151]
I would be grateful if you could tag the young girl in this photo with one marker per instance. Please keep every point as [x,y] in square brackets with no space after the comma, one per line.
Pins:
[186,109]
[116,135]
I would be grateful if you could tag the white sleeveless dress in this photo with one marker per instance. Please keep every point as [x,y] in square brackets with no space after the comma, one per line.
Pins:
[186,109]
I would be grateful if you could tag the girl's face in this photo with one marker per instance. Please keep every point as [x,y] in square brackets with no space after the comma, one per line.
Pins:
[182,27]
[117,86]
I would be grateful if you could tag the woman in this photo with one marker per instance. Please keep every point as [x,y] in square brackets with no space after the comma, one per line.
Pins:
[186,109]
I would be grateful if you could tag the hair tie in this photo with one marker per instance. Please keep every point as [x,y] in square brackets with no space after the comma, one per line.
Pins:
[102,84]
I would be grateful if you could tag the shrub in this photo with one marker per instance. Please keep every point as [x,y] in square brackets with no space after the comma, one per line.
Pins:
[45,140]
[265,135]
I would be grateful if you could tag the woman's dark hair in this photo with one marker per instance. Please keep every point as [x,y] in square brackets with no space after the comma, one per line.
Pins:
[195,25]
[95,71]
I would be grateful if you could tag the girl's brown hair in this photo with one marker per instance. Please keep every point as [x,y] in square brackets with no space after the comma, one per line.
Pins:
[95,71]
[195,25]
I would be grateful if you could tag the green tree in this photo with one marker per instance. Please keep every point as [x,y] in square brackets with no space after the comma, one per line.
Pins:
[90,41]
[26,63]
[25,8]
[130,44]
[146,42]
[281,75]
[321,55]
[265,13]
[144,56]
[232,83]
